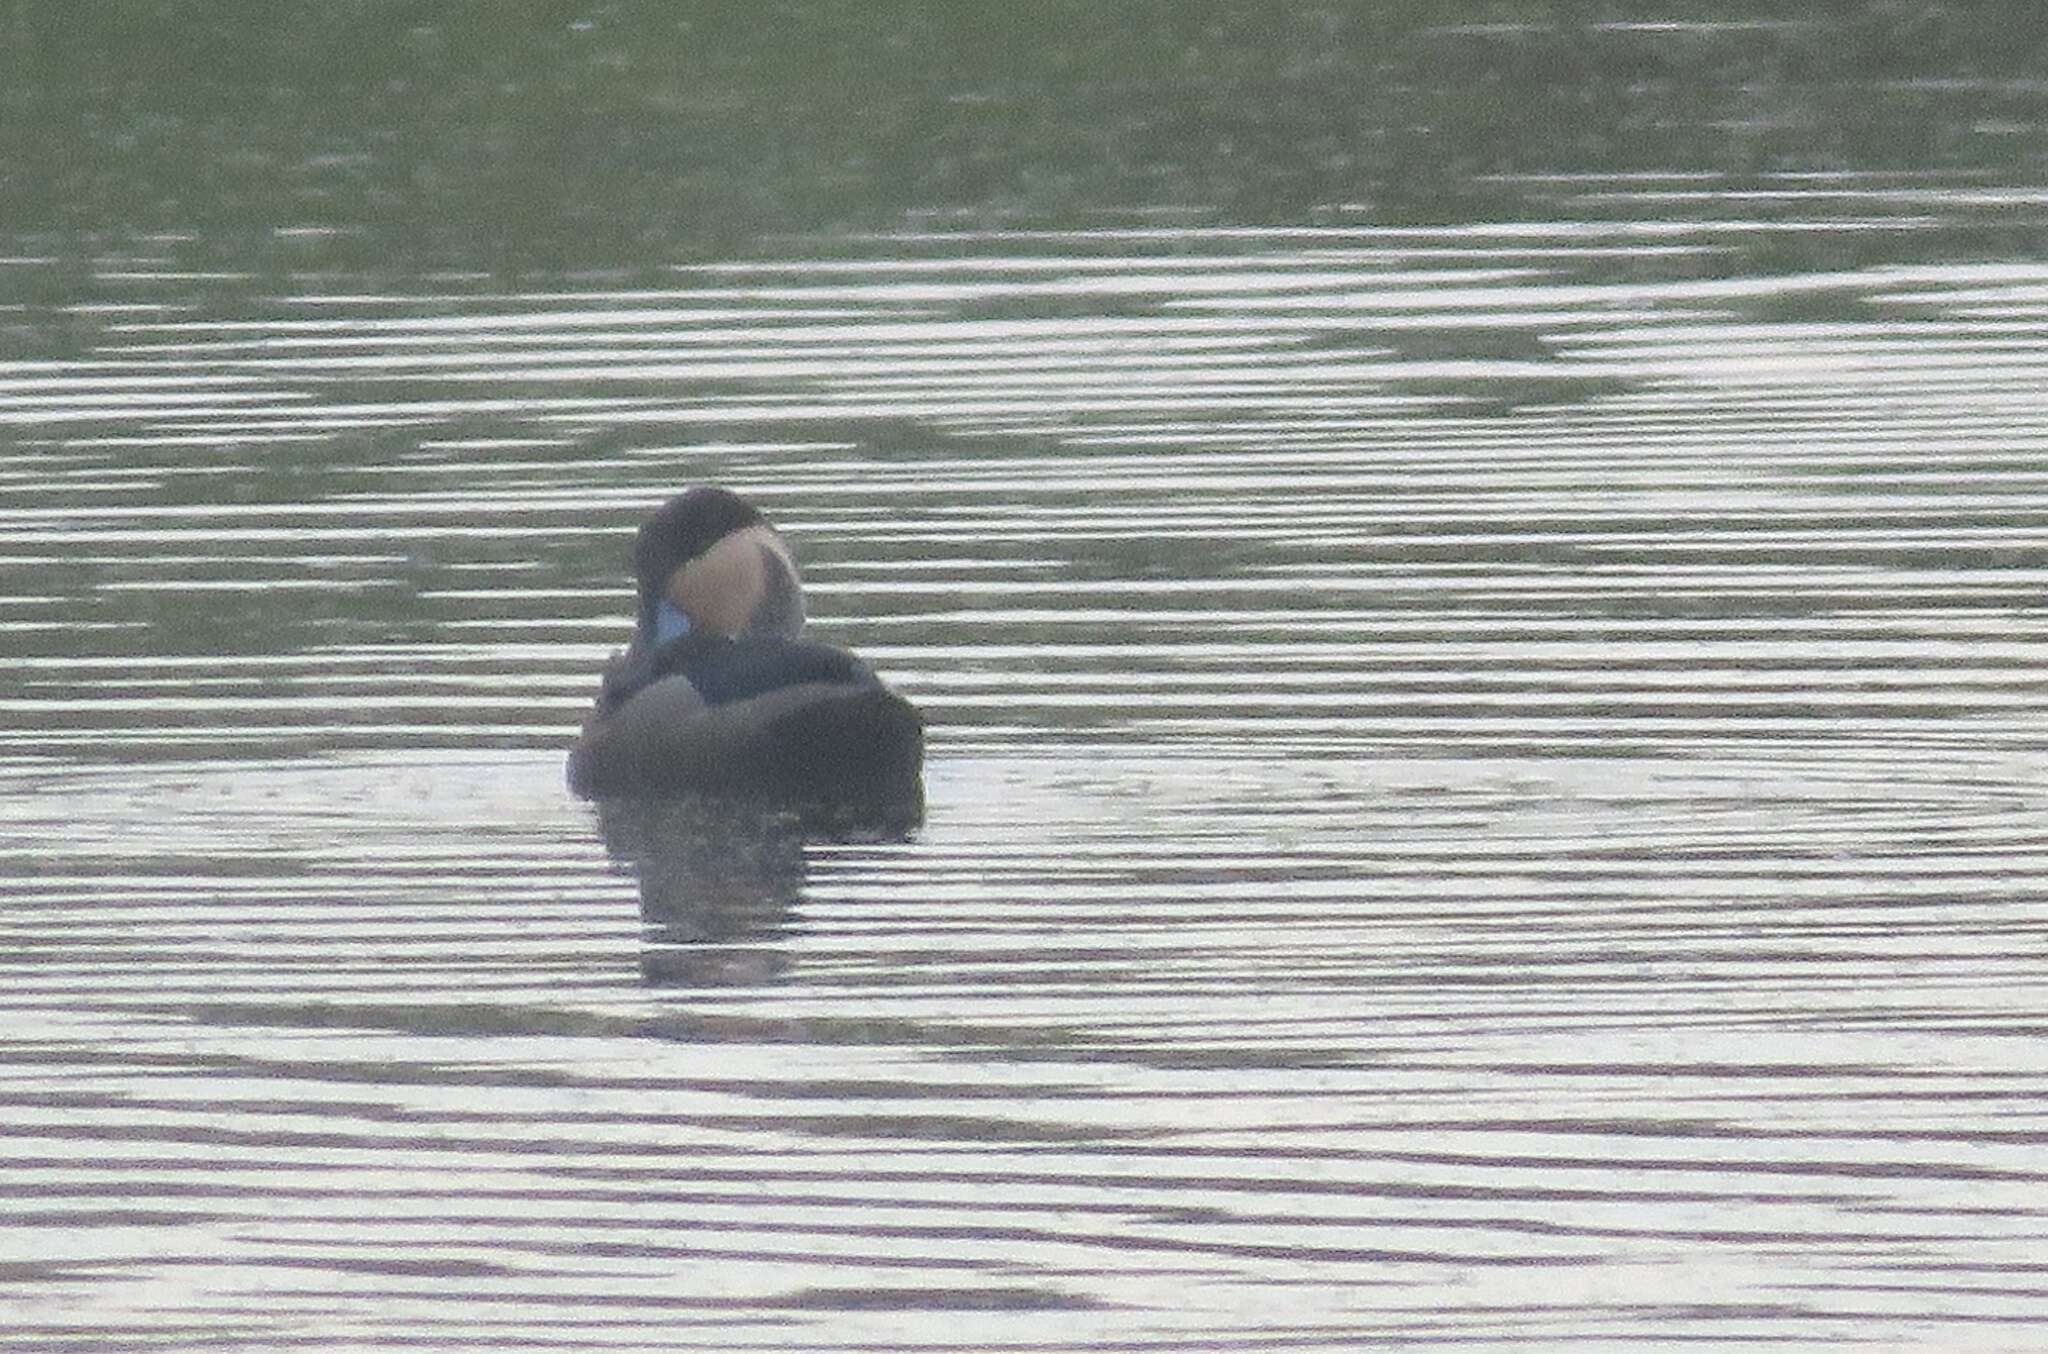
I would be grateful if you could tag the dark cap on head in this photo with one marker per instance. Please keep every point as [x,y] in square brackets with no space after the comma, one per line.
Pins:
[680,530]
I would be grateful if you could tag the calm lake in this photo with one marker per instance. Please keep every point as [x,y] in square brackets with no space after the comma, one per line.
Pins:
[1488,752]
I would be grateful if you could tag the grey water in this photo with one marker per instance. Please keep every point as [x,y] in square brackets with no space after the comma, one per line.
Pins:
[1488,750]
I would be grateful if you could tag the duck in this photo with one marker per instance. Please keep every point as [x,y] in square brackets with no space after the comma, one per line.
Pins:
[720,695]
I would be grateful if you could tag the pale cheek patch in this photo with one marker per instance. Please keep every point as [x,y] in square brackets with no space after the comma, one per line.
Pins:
[780,608]
[724,587]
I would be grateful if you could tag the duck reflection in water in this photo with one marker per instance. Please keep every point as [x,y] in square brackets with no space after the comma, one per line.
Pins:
[721,882]
[721,741]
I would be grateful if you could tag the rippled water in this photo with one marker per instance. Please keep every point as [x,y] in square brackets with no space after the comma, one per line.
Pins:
[1486,787]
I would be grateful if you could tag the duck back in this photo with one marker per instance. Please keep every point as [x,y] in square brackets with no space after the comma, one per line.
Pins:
[811,724]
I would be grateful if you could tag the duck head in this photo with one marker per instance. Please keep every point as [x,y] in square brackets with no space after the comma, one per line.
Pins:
[708,560]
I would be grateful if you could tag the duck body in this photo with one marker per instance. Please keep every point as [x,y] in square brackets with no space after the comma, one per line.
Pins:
[718,695]
[791,721]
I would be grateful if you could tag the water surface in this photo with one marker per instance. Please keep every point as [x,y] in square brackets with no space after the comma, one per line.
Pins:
[1486,782]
